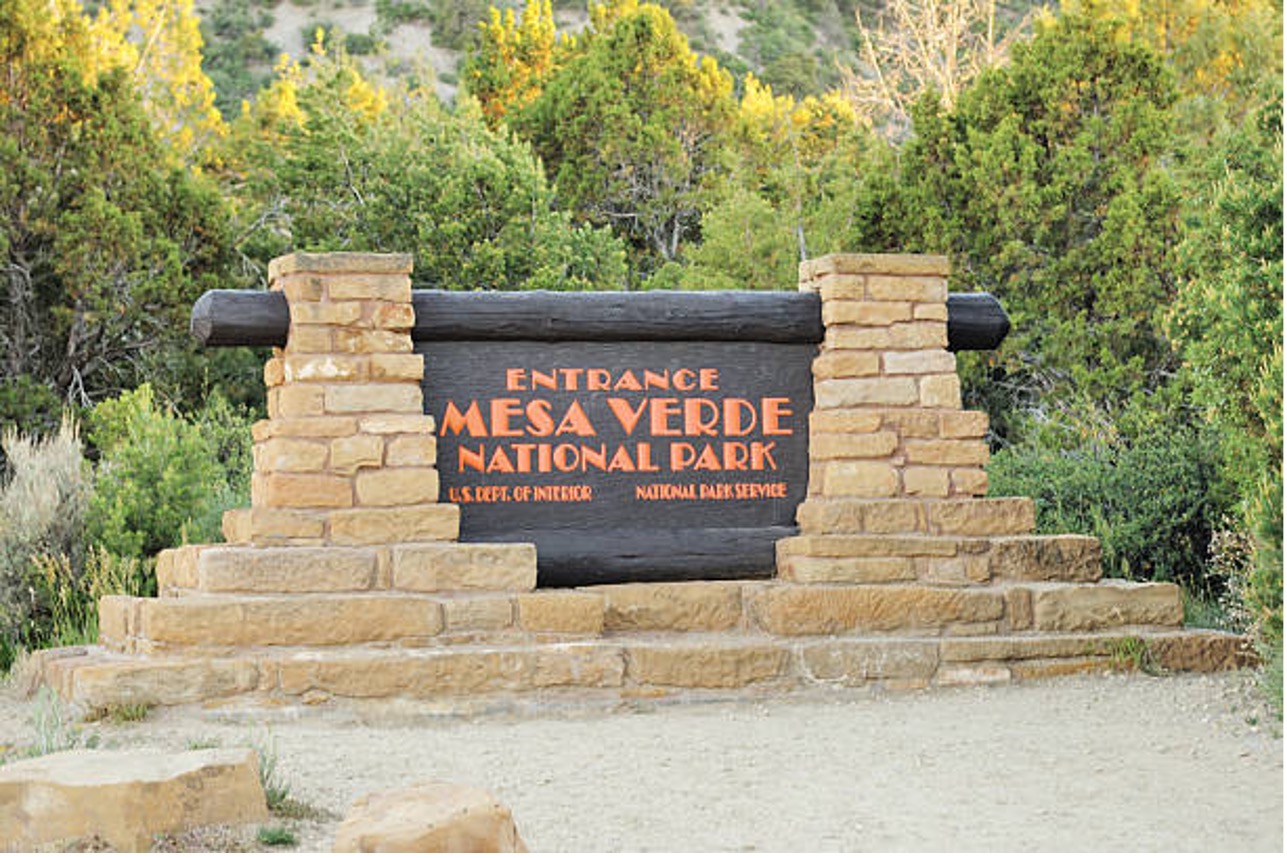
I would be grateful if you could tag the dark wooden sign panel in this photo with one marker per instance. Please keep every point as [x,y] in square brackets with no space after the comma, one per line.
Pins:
[624,460]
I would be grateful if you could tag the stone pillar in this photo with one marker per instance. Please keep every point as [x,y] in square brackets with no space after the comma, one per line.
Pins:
[887,419]
[347,455]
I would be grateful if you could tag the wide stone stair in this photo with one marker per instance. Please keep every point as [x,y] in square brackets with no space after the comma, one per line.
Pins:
[955,592]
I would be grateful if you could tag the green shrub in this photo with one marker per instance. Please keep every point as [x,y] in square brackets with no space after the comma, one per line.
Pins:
[157,480]
[1153,502]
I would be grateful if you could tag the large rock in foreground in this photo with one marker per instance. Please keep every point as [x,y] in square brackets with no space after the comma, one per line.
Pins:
[428,817]
[125,798]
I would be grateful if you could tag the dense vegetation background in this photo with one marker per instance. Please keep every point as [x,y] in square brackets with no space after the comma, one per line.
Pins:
[1112,171]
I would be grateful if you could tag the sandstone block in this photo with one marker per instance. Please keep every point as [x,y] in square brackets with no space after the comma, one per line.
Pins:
[325,368]
[926,482]
[705,664]
[687,606]
[913,264]
[972,482]
[845,421]
[848,364]
[301,491]
[393,316]
[982,516]
[117,619]
[289,455]
[1018,608]
[858,662]
[845,570]
[856,516]
[825,610]
[309,339]
[304,427]
[946,452]
[312,620]
[1108,604]
[396,424]
[1045,558]
[265,526]
[934,312]
[922,362]
[349,454]
[433,673]
[869,313]
[922,289]
[1201,650]
[362,341]
[99,683]
[434,567]
[853,546]
[296,400]
[346,262]
[360,398]
[471,613]
[412,451]
[561,611]
[274,374]
[369,287]
[397,367]
[850,392]
[126,797]
[397,486]
[840,287]
[972,674]
[963,424]
[428,817]
[872,445]
[285,570]
[912,422]
[859,479]
[176,568]
[941,391]
[856,338]
[326,312]
[298,288]
[390,524]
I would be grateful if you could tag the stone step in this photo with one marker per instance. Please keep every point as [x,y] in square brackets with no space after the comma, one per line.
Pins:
[929,517]
[937,559]
[421,567]
[215,622]
[266,526]
[628,665]
[828,609]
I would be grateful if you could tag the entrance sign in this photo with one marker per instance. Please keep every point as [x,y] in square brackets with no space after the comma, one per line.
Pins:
[629,436]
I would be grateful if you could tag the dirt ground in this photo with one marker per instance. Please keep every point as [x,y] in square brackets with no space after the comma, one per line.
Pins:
[1099,763]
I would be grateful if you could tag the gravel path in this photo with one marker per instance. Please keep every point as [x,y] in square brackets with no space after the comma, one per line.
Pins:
[1101,763]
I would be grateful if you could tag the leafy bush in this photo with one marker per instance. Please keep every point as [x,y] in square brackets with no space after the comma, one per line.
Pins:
[158,479]
[42,505]
[1153,502]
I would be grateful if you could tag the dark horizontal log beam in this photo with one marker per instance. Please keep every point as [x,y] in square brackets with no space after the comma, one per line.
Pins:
[226,317]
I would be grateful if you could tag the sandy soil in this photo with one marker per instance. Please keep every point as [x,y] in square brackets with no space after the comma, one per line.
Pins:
[1103,763]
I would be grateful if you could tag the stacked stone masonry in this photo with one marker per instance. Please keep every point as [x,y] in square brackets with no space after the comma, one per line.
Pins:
[344,578]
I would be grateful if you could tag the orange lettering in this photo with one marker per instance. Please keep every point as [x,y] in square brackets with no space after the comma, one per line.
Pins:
[453,421]
[627,381]
[709,379]
[681,455]
[707,461]
[621,461]
[644,457]
[627,417]
[774,410]
[549,381]
[762,454]
[575,422]
[734,410]
[736,456]
[598,379]
[524,457]
[515,379]
[471,459]
[596,457]
[565,457]
[502,411]
[500,462]
[693,422]
[570,377]
[685,379]
[659,413]
[657,381]
[539,421]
